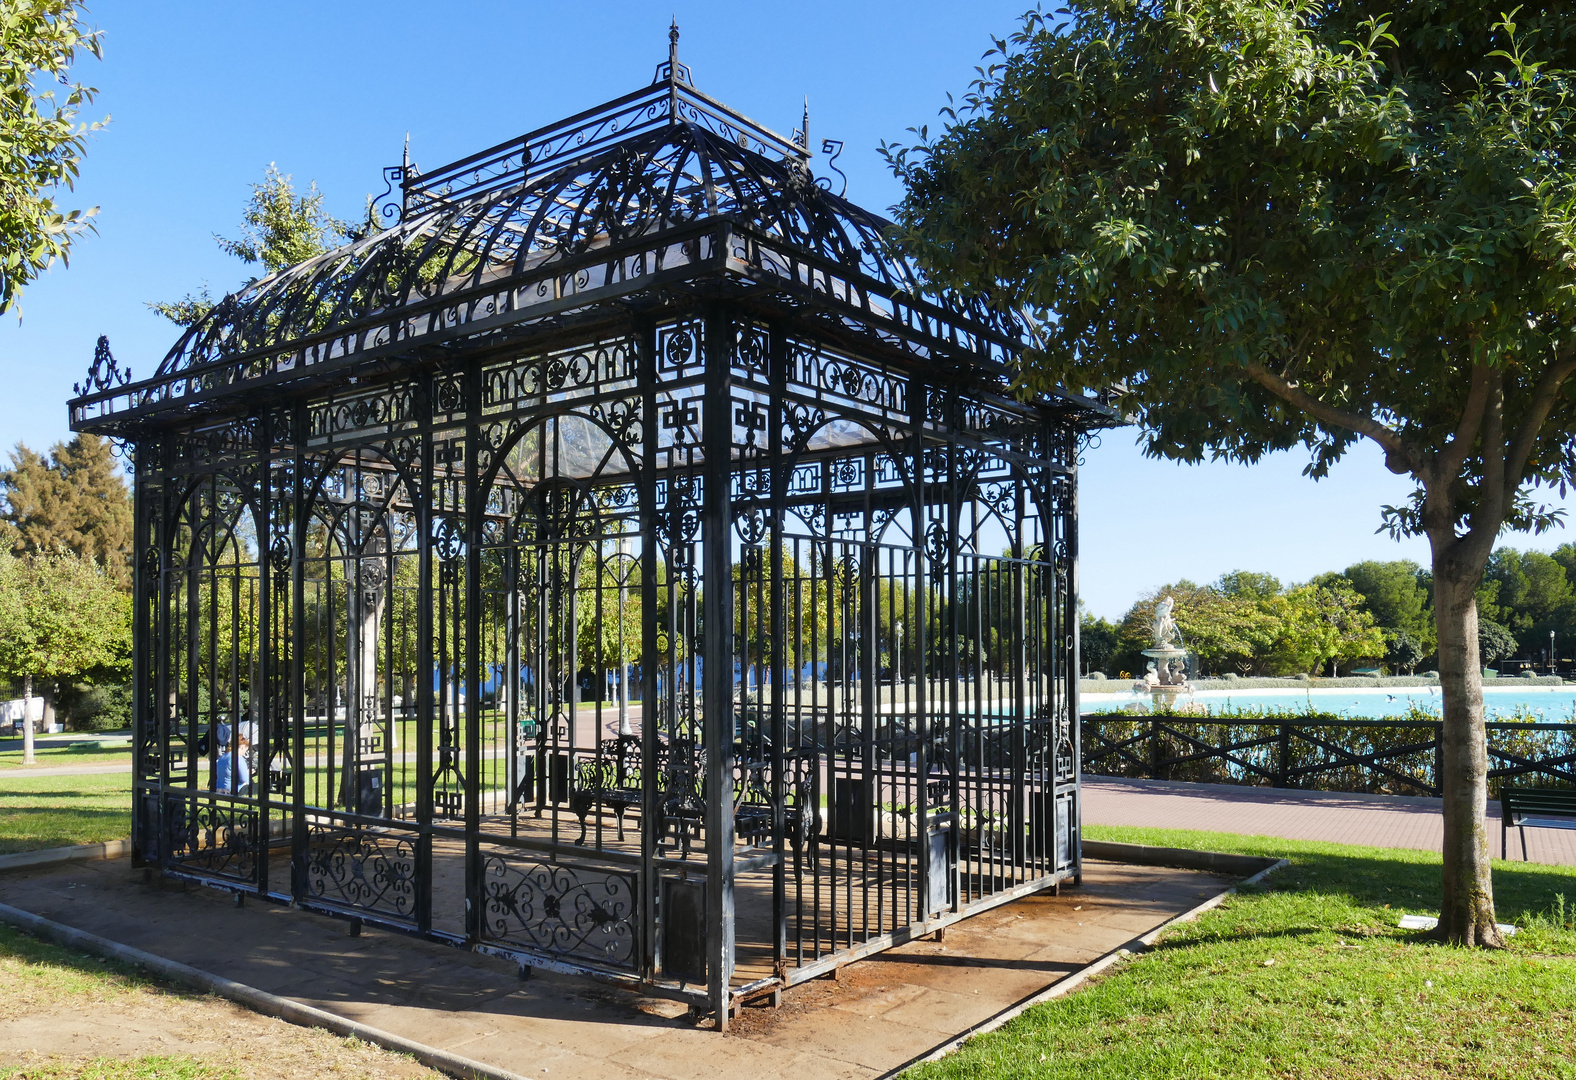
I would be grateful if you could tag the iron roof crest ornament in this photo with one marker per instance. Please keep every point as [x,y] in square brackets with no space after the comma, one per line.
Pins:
[671,70]
[104,373]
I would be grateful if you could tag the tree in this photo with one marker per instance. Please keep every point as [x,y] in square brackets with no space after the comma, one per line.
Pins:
[1494,641]
[73,500]
[60,615]
[1272,223]
[41,143]
[1529,594]
[1224,631]
[1394,595]
[1097,641]
[1402,651]
[1320,625]
[279,228]
[1248,584]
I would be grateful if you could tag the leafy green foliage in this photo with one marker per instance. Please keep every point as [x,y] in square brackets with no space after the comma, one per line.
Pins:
[1273,224]
[1248,623]
[1098,641]
[72,501]
[1403,652]
[1281,223]
[1494,641]
[279,228]
[60,615]
[41,142]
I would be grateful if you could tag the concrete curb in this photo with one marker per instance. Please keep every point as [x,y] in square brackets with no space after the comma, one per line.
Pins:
[1111,959]
[111,849]
[257,1000]
[1215,862]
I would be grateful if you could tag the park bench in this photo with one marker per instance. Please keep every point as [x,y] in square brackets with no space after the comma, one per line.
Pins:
[611,779]
[752,800]
[1534,808]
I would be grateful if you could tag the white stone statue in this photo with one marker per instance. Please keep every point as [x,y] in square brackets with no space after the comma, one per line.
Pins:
[1166,633]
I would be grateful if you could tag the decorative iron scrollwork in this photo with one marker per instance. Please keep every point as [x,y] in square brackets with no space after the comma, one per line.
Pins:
[749,521]
[362,868]
[280,553]
[833,148]
[562,910]
[217,838]
[104,373]
[448,538]
[389,208]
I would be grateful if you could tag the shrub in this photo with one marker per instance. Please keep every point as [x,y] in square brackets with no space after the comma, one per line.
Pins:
[105,707]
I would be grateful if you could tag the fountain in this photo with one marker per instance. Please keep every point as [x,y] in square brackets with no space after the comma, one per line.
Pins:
[1166,678]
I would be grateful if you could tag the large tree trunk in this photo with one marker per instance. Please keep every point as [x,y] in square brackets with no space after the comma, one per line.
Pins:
[1466,915]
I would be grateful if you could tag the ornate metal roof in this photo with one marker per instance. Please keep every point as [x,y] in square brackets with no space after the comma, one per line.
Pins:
[654,189]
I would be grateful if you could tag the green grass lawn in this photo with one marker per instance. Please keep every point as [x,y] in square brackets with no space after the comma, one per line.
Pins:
[86,752]
[1308,976]
[54,811]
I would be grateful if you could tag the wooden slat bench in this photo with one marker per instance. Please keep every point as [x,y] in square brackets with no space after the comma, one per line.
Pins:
[1534,808]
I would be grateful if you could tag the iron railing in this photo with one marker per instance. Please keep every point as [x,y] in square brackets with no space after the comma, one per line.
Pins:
[1394,757]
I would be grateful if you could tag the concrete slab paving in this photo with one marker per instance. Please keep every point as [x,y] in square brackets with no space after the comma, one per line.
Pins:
[875,1016]
[1398,821]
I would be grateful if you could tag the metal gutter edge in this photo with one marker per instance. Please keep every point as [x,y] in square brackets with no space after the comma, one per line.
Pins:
[261,1001]
[1083,975]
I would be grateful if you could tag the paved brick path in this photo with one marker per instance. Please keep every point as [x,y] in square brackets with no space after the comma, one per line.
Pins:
[1374,820]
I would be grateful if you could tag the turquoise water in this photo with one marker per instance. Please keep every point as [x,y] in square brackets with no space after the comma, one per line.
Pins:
[1554,704]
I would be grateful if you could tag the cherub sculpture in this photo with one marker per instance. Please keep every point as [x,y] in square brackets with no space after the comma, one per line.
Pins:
[1166,632]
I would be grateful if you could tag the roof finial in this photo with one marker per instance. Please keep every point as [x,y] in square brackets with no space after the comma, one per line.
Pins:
[673,45]
[806,122]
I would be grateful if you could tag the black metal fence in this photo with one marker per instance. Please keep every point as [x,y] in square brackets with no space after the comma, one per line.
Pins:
[1391,757]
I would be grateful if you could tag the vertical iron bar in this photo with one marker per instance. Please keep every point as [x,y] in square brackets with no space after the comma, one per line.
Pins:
[718,672]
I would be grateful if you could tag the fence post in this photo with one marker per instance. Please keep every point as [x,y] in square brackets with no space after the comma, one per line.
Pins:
[1154,748]
[1283,757]
[1439,758]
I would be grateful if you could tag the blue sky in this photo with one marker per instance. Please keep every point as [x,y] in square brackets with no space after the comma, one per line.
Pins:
[203,96]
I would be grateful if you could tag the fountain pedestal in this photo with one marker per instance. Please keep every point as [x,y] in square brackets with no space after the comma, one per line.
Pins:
[1166,679]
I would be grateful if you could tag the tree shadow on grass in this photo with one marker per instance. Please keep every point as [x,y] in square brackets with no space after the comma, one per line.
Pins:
[1406,883]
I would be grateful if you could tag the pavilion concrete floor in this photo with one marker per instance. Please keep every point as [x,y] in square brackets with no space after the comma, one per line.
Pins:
[880,1013]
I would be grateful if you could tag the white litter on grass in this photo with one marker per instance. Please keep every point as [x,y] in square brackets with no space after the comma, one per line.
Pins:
[1428,922]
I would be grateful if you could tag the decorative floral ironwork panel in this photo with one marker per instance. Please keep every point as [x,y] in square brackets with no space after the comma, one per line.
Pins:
[366,869]
[584,912]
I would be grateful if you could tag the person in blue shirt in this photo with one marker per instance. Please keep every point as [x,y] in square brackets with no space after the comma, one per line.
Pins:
[232,773]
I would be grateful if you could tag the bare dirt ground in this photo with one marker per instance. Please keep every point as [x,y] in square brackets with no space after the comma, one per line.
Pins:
[67,1015]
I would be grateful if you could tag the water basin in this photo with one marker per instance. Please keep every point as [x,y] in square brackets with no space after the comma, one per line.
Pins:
[1553,704]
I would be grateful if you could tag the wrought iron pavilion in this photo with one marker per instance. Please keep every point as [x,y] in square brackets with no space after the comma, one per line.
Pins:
[621,563]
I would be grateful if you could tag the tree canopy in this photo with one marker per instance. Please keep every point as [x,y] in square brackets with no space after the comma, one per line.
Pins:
[60,615]
[279,228]
[1249,624]
[71,501]
[1273,223]
[41,142]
